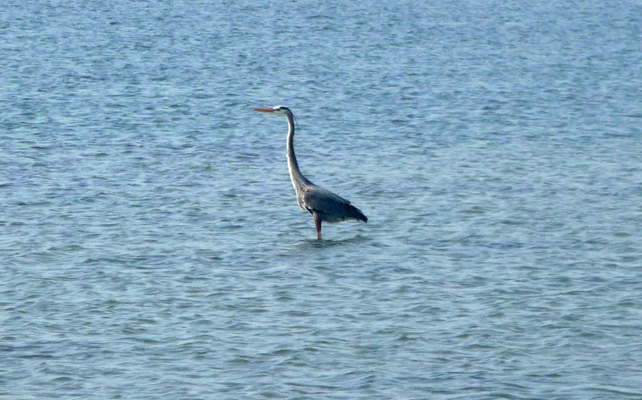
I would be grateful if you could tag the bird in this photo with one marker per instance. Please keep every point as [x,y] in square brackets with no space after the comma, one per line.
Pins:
[321,203]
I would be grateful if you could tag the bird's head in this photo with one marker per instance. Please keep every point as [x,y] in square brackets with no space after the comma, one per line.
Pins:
[278,110]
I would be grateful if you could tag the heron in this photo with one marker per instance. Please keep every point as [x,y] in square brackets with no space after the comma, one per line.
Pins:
[322,204]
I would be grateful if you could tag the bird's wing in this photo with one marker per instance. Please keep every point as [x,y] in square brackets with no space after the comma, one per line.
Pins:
[322,200]
[328,206]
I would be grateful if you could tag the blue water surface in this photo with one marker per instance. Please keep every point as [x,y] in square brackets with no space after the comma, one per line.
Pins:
[150,242]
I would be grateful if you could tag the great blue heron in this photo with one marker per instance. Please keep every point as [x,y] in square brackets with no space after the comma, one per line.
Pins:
[322,204]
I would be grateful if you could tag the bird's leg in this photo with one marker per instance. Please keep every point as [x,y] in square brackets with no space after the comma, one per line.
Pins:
[317,224]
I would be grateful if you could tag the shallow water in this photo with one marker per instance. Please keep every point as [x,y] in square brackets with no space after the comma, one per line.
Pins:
[151,244]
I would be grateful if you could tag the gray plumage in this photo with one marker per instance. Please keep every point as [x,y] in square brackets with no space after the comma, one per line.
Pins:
[322,204]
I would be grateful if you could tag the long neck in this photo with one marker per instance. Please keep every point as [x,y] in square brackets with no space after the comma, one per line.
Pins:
[293,166]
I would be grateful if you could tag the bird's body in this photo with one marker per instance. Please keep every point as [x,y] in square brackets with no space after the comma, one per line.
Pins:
[322,204]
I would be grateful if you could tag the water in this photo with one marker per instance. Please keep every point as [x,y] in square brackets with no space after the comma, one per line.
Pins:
[152,247]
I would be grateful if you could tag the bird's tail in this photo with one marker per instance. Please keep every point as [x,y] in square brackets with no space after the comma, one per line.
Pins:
[355,213]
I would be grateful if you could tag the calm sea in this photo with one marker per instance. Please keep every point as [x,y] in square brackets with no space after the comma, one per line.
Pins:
[151,246]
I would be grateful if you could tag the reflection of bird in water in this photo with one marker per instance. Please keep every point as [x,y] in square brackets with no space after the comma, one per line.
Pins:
[322,204]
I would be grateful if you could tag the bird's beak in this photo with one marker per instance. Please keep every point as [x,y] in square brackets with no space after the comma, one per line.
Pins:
[264,109]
